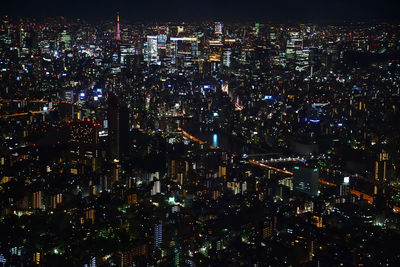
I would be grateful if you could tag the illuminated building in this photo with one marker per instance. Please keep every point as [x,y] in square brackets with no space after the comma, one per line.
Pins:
[225,87]
[246,55]
[132,199]
[194,49]
[218,28]
[269,227]
[256,29]
[162,41]
[69,96]
[127,258]
[84,138]
[173,49]
[294,48]
[380,170]
[344,187]
[65,39]
[287,182]
[305,180]
[156,188]
[36,258]
[267,230]
[226,57]
[180,29]
[158,228]
[126,51]
[37,200]
[183,46]
[151,50]
[302,59]
[89,215]
[222,172]
[55,200]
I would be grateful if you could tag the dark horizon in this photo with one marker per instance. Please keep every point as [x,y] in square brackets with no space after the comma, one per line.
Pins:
[263,11]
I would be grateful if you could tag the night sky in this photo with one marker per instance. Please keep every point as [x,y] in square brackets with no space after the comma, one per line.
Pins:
[233,10]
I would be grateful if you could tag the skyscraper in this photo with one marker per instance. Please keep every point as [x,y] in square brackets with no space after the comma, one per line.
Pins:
[118,127]
[380,172]
[218,28]
[151,50]
[157,235]
[305,180]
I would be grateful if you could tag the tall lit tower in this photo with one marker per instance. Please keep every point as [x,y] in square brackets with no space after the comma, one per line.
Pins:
[118,32]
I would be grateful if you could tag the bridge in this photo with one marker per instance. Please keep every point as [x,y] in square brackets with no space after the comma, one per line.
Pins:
[280,160]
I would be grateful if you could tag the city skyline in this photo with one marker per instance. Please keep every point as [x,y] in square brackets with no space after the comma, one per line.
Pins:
[208,143]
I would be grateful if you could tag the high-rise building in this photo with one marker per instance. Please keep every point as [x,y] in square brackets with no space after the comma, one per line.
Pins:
[194,49]
[156,188]
[157,235]
[65,39]
[37,200]
[55,200]
[294,49]
[151,50]
[118,127]
[344,187]
[36,258]
[126,51]
[89,215]
[305,180]
[380,171]
[267,229]
[162,41]
[83,143]
[226,57]
[218,27]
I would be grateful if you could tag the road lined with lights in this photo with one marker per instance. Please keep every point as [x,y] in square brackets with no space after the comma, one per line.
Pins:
[25,113]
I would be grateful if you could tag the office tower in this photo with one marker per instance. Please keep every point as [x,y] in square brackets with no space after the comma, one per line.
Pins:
[162,41]
[294,49]
[69,96]
[226,57]
[156,188]
[173,49]
[194,48]
[65,38]
[305,180]
[118,127]
[126,52]
[218,28]
[118,37]
[157,235]
[84,138]
[83,143]
[344,187]
[380,173]
[151,50]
